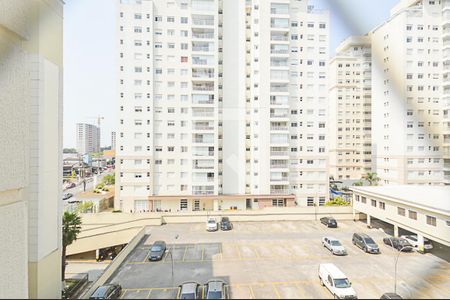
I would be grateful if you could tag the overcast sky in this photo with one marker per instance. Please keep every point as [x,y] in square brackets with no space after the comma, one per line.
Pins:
[89,54]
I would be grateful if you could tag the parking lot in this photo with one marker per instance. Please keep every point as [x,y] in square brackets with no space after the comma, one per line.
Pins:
[275,260]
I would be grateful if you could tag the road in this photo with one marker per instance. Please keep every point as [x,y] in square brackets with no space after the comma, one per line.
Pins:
[79,189]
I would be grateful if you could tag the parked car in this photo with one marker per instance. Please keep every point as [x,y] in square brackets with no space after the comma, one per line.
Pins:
[390,296]
[225,224]
[108,291]
[189,290]
[412,239]
[73,201]
[365,242]
[211,224]
[215,289]
[336,282]
[71,185]
[334,246]
[398,243]
[329,222]
[67,196]
[157,250]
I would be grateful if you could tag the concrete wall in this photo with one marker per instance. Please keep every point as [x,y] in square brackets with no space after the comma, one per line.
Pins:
[30,148]
[116,263]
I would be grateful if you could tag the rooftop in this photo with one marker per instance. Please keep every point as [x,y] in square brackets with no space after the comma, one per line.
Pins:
[424,196]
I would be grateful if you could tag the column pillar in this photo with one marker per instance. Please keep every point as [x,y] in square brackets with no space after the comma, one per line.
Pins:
[420,243]
[395,231]
[368,221]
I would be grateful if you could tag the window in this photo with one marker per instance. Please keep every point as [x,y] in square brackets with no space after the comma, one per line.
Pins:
[374,203]
[431,220]
[382,205]
[310,201]
[412,214]
[363,199]
[183,204]
[401,211]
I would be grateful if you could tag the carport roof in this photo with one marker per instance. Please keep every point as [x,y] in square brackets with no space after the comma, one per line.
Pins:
[424,196]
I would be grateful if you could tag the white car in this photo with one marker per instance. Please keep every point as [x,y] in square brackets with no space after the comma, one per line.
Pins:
[211,225]
[334,245]
[412,239]
[336,282]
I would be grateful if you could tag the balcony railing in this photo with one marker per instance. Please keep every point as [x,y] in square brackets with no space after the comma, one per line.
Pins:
[279,153]
[279,191]
[202,87]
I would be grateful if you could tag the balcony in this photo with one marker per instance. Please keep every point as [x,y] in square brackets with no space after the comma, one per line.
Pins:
[203,190]
[203,20]
[279,62]
[279,49]
[203,46]
[278,164]
[202,33]
[202,99]
[279,191]
[207,138]
[279,23]
[279,88]
[203,73]
[279,100]
[203,151]
[202,86]
[279,36]
[203,164]
[203,125]
[279,113]
[203,112]
[279,9]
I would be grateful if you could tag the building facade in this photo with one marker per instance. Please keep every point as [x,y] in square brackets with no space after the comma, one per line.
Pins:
[446,88]
[222,105]
[407,86]
[88,138]
[31,59]
[350,109]
[404,209]
[113,140]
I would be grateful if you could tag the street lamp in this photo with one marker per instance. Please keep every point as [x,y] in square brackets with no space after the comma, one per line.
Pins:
[396,261]
[171,257]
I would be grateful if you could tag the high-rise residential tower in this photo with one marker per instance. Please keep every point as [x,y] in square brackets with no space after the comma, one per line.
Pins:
[407,88]
[350,109]
[222,104]
[446,88]
[113,140]
[88,138]
[31,60]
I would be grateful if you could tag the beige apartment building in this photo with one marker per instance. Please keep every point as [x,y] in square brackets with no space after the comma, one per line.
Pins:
[410,94]
[31,41]
[350,109]
[222,104]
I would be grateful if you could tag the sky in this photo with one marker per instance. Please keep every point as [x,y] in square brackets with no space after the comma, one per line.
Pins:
[90,58]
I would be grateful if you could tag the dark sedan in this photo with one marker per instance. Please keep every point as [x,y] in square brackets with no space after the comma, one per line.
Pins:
[108,291]
[398,243]
[225,224]
[329,222]
[67,196]
[157,250]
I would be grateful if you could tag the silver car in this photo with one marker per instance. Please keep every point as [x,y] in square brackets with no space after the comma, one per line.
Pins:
[334,246]
[189,290]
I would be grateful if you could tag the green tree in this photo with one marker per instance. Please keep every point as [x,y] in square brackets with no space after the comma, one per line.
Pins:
[337,201]
[372,178]
[70,230]
[109,179]
[85,207]
[358,183]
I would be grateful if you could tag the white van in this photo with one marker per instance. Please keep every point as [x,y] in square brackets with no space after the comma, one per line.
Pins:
[336,282]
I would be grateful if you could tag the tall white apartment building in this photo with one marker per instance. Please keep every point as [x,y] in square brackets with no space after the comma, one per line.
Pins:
[31,64]
[350,109]
[88,138]
[222,104]
[407,107]
[446,87]
[113,140]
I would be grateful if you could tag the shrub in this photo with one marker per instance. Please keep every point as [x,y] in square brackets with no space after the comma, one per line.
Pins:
[338,201]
